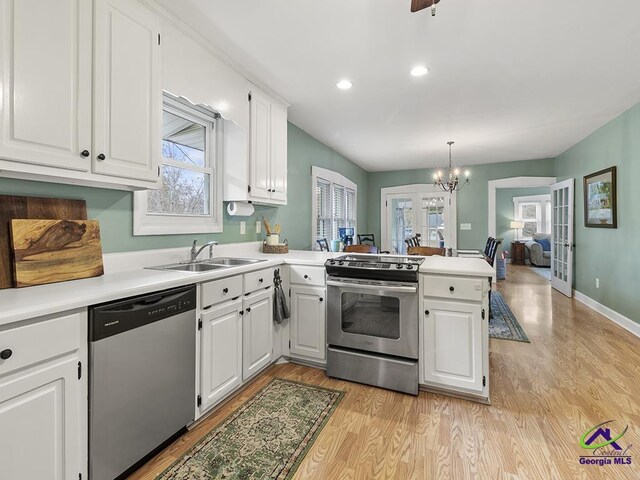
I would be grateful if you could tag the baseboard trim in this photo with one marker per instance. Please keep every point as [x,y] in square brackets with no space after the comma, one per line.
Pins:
[612,315]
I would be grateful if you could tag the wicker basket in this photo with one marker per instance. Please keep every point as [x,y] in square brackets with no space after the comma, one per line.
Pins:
[281,248]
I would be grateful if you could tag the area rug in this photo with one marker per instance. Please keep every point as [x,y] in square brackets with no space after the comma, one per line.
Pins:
[503,324]
[543,272]
[266,438]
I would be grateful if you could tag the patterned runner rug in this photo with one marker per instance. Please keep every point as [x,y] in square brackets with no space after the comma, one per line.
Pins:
[504,324]
[266,438]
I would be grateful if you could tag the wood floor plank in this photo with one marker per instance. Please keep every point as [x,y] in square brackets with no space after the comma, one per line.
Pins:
[580,369]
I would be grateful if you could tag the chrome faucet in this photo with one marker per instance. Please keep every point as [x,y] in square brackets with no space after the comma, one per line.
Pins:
[195,251]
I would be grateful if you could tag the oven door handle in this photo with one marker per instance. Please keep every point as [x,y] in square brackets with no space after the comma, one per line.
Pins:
[360,286]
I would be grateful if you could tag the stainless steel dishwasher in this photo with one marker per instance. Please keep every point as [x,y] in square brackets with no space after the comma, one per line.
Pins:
[142,357]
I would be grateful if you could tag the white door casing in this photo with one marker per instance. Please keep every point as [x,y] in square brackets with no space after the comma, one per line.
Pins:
[417,193]
[562,230]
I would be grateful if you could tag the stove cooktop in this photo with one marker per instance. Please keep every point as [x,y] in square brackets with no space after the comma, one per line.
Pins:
[380,267]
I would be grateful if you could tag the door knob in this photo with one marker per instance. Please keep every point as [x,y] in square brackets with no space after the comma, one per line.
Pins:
[85,153]
[101,157]
[6,354]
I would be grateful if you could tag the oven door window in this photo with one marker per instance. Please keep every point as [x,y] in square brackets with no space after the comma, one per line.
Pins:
[371,315]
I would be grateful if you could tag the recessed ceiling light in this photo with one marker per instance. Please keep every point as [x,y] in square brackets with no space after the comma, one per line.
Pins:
[419,71]
[344,84]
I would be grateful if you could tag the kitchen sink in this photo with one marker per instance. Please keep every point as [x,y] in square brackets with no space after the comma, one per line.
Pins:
[233,262]
[198,267]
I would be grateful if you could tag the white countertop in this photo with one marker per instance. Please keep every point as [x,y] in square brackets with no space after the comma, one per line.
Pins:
[126,277]
[17,304]
[474,267]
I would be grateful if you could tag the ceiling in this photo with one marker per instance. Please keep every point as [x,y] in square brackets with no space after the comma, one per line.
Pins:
[509,80]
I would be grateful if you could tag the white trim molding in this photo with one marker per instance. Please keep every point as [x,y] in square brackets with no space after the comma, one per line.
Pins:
[615,317]
[513,182]
[415,190]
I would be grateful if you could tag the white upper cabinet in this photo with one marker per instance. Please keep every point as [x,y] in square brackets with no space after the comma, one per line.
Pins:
[127,91]
[45,82]
[260,147]
[278,153]
[256,164]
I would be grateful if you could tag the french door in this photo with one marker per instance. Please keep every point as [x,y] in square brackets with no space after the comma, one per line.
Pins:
[562,204]
[417,209]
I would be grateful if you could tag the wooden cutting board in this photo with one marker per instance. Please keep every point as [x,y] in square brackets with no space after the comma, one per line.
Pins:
[49,251]
[13,206]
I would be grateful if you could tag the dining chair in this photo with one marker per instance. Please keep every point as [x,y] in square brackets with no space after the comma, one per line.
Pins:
[488,245]
[366,239]
[324,244]
[426,251]
[361,249]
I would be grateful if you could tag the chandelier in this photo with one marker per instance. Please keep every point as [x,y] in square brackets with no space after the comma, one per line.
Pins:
[451,183]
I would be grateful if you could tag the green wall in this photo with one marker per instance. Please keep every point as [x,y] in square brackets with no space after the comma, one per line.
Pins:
[305,152]
[472,200]
[609,254]
[114,208]
[504,210]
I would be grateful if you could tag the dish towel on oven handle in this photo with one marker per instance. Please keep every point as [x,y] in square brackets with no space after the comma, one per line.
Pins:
[280,308]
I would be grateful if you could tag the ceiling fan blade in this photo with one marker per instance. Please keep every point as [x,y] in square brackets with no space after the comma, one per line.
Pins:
[417,5]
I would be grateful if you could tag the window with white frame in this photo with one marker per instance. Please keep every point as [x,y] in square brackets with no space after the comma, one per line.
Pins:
[190,197]
[334,204]
[535,212]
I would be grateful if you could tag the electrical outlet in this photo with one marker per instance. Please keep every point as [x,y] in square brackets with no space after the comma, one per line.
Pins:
[258,226]
[597,283]
[243,228]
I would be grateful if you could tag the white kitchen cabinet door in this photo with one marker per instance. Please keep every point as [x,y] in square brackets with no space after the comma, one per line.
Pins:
[40,421]
[45,82]
[127,91]
[451,345]
[278,154]
[308,322]
[257,332]
[221,352]
[260,145]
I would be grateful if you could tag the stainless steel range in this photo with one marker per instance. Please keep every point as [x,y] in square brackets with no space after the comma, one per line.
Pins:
[372,320]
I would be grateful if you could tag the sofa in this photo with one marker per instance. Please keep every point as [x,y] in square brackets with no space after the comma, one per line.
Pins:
[537,254]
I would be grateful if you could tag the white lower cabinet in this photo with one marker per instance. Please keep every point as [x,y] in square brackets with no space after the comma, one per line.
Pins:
[257,332]
[308,322]
[43,399]
[40,421]
[452,340]
[221,352]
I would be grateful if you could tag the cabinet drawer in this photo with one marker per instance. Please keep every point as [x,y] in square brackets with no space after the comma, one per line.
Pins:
[256,280]
[40,341]
[459,288]
[304,275]
[220,290]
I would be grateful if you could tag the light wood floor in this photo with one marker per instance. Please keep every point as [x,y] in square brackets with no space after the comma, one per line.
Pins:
[579,370]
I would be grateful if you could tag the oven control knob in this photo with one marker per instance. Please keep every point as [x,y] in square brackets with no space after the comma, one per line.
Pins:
[399,266]
[409,267]
[340,263]
[332,262]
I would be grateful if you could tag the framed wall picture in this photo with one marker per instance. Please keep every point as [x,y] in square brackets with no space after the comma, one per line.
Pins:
[600,203]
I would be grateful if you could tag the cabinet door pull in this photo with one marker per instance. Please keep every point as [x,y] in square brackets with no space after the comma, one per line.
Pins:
[426,312]
[321,299]
[6,354]
[451,289]
[101,157]
[225,290]
[85,153]
[306,276]
[261,280]
[248,309]
[241,312]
